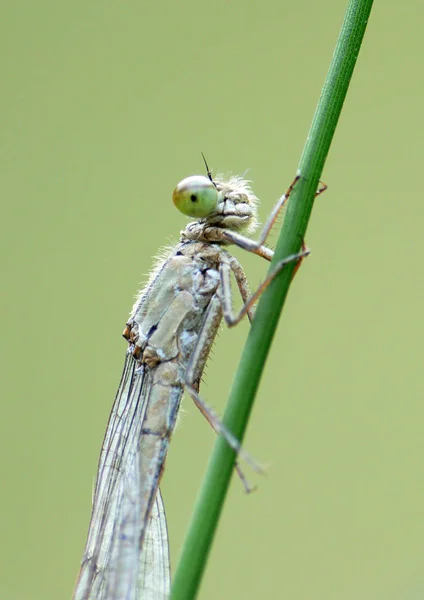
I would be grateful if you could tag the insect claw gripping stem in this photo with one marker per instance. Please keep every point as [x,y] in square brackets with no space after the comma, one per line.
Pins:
[322,189]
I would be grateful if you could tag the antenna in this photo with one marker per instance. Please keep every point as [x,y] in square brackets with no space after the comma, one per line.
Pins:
[207,168]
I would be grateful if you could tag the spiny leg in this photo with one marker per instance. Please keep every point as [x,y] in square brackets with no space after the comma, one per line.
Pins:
[242,284]
[225,272]
[192,380]
[221,429]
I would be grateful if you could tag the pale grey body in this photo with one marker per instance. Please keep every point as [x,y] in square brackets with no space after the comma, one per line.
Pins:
[165,325]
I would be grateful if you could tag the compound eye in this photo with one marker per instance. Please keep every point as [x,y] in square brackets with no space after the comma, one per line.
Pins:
[196,196]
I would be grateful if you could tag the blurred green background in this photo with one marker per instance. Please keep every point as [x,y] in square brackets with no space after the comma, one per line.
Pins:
[105,106]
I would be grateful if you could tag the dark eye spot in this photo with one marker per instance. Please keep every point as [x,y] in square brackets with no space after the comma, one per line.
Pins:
[193,198]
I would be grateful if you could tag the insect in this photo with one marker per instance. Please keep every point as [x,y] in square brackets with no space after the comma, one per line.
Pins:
[170,332]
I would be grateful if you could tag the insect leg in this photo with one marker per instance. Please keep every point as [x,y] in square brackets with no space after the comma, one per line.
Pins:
[219,427]
[225,271]
[242,285]
[192,381]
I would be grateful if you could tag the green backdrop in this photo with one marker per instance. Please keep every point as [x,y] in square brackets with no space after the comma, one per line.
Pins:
[104,107]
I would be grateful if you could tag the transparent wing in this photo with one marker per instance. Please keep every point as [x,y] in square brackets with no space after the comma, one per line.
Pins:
[155,573]
[123,500]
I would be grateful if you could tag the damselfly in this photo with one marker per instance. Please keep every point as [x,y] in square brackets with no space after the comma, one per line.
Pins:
[170,332]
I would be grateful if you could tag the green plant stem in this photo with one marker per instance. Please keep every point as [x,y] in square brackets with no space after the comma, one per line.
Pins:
[220,468]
